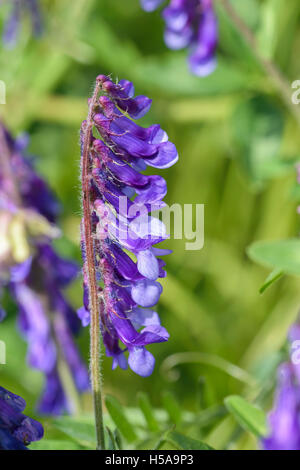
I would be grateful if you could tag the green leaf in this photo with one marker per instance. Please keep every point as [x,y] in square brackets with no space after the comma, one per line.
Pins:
[118,439]
[273,277]
[183,442]
[172,407]
[119,418]
[111,440]
[146,408]
[54,445]
[81,431]
[250,417]
[282,255]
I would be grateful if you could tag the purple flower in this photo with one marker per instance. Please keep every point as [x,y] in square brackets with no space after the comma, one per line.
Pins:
[151,5]
[124,234]
[284,420]
[36,275]
[192,24]
[16,430]
[13,24]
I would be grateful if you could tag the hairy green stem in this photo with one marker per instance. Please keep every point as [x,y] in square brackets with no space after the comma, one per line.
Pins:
[95,304]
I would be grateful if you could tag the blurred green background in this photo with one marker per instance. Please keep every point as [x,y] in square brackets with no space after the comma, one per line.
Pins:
[238,143]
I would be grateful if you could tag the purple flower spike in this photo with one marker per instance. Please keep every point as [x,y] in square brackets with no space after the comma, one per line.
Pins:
[13,24]
[192,24]
[120,197]
[16,430]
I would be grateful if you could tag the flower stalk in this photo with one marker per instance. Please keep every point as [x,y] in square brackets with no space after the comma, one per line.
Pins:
[94,303]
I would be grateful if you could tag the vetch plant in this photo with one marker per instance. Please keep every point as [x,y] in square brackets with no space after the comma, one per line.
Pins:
[120,272]
[16,429]
[192,24]
[35,276]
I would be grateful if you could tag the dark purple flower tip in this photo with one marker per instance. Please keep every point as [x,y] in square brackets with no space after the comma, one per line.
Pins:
[15,402]
[16,430]
[122,92]
[9,442]
[102,78]
[30,431]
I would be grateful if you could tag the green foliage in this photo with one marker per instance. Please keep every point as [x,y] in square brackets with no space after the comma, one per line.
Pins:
[238,143]
[282,255]
[186,443]
[250,417]
[82,431]
[144,427]
[145,405]
[118,416]
[172,407]
[273,277]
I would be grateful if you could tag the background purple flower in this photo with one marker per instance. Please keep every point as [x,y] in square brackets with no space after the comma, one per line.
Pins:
[36,275]
[192,24]
[16,429]
[13,24]
[121,199]
[151,5]
[284,420]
